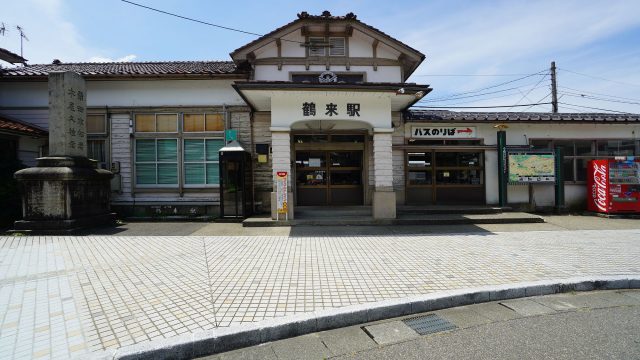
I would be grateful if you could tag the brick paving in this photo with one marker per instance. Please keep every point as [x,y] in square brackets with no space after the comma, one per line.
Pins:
[66,296]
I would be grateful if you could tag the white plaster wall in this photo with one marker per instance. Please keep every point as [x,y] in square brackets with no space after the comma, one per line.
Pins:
[129,93]
[292,48]
[360,45]
[386,52]
[286,107]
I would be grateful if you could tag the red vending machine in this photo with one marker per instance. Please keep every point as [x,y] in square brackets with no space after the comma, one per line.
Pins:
[613,186]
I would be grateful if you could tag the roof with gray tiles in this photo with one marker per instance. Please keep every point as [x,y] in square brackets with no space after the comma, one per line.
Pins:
[128,69]
[413,115]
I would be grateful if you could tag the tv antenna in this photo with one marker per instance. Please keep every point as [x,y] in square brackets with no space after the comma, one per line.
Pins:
[2,29]
[22,36]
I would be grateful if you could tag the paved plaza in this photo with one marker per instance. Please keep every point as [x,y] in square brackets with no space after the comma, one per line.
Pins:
[66,296]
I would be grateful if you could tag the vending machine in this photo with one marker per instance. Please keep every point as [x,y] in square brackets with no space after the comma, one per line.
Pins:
[613,186]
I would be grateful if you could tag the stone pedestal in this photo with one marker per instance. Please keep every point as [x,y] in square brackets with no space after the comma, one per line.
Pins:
[64,194]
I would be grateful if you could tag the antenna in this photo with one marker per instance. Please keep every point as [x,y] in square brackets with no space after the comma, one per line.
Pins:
[22,36]
[2,29]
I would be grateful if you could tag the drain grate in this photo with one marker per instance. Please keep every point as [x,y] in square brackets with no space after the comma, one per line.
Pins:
[428,324]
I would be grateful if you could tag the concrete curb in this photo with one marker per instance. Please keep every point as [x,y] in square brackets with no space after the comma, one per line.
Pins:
[225,339]
[532,219]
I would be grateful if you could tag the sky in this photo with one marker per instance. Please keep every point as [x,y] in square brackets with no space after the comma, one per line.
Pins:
[472,47]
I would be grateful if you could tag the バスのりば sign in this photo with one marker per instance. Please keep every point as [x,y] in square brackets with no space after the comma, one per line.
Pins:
[443,132]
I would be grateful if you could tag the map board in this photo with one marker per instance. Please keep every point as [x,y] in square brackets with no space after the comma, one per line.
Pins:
[531,167]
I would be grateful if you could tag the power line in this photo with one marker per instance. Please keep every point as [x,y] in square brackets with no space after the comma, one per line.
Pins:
[546,96]
[203,22]
[530,90]
[599,78]
[583,96]
[601,94]
[494,86]
[471,75]
[476,107]
[452,97]
[595,108]
[477,100]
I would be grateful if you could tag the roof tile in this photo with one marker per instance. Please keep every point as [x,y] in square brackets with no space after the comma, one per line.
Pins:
[413,115]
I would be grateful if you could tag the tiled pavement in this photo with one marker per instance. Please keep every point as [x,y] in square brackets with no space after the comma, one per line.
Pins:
[65,296]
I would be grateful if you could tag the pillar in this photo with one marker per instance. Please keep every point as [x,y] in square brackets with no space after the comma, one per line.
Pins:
[384,198]
[281,161]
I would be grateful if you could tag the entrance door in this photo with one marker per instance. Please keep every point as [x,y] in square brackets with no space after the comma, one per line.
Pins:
[329,177]
[445,177]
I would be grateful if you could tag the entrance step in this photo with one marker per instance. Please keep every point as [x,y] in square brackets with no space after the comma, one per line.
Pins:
[339,212]
[403,219]
[451,209]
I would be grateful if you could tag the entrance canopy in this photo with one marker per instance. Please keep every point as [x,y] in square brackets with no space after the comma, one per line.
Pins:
[291,102]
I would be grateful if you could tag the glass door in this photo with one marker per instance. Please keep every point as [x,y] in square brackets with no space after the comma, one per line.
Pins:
[329,177]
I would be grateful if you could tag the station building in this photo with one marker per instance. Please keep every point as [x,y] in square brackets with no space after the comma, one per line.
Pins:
[324,98]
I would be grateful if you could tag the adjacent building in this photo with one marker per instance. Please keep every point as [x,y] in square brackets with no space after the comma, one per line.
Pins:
[324,98]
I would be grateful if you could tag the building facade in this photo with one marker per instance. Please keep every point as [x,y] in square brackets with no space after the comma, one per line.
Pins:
[324,98]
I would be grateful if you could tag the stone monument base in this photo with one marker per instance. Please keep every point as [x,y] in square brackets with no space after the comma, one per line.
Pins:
[64,194]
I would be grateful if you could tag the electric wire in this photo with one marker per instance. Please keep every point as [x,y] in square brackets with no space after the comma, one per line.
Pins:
[471,75]
[598,77]
[595,108]
[546,96]
[205,22]
[476,107]
[493,86]
[595,93]
[470,96]
[583,96]
[530,90]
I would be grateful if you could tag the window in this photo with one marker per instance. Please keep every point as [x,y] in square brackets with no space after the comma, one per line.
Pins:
[157,162]
[337,46]
[317,46]
[156,123]
[578,152]
[203,122]
[97,139]
[174,150]
[201,161]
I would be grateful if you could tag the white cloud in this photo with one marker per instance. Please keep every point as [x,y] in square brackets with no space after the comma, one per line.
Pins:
[51,35]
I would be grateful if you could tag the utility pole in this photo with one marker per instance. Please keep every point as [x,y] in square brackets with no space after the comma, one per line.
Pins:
[554,89]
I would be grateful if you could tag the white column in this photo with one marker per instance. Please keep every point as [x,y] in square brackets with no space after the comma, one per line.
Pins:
[281,161]
[384,199]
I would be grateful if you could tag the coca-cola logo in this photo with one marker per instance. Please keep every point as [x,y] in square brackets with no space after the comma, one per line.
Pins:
[599,190]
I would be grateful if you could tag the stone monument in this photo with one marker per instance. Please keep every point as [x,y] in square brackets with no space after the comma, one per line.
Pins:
[65,191]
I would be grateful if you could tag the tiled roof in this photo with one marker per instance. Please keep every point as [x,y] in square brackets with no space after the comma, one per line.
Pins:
[326,15]
[124,69]
[455,116]
[16,126]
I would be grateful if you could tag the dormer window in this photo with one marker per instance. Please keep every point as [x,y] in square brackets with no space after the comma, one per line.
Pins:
[337,46]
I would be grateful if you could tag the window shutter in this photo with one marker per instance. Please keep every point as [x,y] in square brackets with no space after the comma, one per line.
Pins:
[337,46]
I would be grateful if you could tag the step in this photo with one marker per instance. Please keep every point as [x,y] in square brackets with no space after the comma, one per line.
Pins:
[408,209]
[414,219]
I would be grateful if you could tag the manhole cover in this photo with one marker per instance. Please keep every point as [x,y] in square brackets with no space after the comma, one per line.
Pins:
[428,324]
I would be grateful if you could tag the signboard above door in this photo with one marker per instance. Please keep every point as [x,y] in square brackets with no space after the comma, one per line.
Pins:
[443,132]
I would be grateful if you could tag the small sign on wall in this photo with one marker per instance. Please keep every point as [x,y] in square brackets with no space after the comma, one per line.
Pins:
[443,132]
[281,194]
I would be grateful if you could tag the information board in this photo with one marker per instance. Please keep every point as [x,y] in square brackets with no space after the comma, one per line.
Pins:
[281,193]
[531,167]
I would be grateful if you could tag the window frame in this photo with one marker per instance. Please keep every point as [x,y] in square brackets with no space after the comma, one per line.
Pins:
[204,161]
[344,46]
[179,136]
[551,142]
[101,136]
